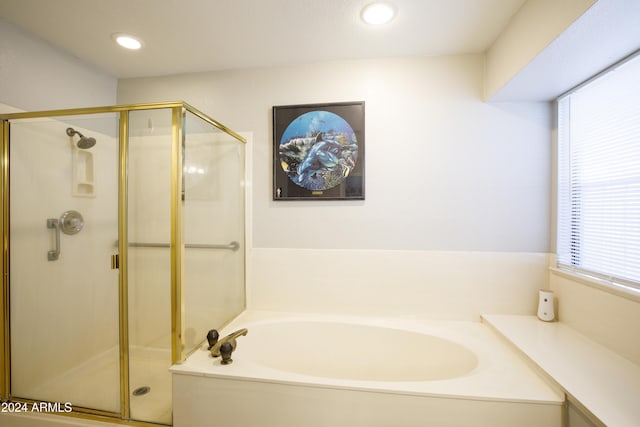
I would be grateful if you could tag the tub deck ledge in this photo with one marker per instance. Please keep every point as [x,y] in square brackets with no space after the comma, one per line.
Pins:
[603,384]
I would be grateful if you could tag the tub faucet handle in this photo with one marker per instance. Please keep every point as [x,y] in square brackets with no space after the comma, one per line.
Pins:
[212,338]
[225,351]
[231,339]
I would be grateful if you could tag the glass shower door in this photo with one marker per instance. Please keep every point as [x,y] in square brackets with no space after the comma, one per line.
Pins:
[149,264]
[213,286]
[63,231]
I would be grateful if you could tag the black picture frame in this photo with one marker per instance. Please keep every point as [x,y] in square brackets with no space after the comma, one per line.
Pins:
[318,151]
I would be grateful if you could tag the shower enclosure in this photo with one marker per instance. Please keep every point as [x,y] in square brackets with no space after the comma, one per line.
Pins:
[123,244]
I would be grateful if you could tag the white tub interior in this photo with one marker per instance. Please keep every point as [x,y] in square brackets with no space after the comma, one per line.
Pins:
[354,351]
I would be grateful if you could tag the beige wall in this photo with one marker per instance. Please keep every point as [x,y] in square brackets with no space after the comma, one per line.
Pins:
[444,170]
[36,76]
[552,46]
[448,177]
[530,31]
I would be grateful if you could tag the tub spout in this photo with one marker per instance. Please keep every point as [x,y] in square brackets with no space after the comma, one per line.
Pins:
[214,347]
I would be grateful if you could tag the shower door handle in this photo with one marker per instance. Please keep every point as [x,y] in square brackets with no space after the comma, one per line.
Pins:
[55,253]
[115,261]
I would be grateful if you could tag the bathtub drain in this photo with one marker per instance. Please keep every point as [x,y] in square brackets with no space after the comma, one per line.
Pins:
[140,391]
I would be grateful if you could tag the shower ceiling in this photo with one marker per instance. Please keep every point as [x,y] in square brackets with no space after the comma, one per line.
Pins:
[183,36]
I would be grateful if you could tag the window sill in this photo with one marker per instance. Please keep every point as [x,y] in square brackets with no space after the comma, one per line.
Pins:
[603,285]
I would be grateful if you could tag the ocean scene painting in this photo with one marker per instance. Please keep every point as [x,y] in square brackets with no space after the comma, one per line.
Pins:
[318,150]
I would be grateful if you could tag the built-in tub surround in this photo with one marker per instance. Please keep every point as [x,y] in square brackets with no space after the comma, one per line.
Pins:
[599,383]
[269,378]
[453,285]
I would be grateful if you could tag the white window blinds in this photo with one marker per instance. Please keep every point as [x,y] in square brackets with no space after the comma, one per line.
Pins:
[599,176]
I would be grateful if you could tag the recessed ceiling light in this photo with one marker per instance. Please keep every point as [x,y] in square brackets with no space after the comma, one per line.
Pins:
[378,13]
[127,41]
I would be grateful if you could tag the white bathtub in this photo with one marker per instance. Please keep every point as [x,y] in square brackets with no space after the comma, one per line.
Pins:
[294,370]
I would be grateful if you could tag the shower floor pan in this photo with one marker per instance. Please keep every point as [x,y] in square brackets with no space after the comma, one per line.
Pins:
[85,385]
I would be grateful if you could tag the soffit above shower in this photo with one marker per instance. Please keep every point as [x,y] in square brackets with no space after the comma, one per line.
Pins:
[183,36]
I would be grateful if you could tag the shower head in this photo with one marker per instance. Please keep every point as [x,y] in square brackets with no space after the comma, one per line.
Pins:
[84,142]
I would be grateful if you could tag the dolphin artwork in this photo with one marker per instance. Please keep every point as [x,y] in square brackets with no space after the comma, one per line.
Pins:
[325,164]
[323,158]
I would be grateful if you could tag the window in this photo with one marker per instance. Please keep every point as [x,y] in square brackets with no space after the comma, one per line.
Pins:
[599,176]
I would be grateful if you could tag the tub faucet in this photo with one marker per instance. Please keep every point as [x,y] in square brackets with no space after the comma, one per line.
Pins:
[224,346]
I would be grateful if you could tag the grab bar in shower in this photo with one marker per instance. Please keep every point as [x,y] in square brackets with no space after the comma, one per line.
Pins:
[52,223]
[234,246]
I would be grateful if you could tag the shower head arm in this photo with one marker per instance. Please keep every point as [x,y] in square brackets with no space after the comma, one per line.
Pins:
[72,131]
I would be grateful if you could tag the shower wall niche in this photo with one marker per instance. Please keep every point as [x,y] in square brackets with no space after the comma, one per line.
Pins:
[158,260]
[82,177]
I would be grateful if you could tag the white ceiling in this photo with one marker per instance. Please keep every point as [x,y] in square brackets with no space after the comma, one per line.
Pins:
[183,36]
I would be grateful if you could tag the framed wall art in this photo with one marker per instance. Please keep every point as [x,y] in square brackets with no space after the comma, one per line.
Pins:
[318,151]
